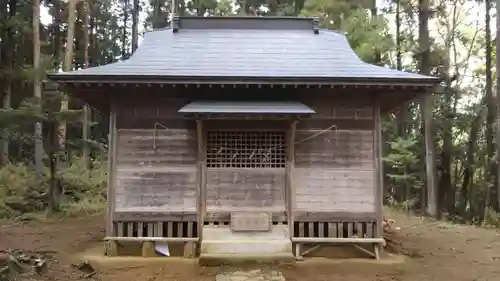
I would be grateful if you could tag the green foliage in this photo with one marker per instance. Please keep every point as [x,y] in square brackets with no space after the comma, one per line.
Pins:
[23,193]
[367,35]
[403,161]
[224,8]
[456,114]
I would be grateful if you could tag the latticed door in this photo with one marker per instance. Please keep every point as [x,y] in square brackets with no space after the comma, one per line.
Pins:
[246,149]
[246,174]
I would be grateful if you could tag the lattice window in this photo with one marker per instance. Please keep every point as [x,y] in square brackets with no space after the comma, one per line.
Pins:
[246,149]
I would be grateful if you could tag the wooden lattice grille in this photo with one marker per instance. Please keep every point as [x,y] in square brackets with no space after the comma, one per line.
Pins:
[246,149]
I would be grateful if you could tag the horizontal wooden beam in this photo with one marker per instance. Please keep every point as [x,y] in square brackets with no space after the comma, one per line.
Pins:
[350,240]
[152,239]
[300,216]
[225,216]
[336,124]
[152,82]
[154,216]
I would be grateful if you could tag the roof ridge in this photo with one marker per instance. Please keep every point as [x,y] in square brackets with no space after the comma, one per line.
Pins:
[240,53]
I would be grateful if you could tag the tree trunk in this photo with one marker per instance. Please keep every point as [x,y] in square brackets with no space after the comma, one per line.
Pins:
[426,108]
[402,115]
[468,173]
[446,192]
[272,7]
[56,51]
[67,66]
[93,50]
[124,32]
[8,61]
[37,86]
[490,117]
[86,110]
[498,104]
[135,25]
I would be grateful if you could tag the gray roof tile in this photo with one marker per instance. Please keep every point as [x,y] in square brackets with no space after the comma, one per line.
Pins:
[278,107]
[256,52]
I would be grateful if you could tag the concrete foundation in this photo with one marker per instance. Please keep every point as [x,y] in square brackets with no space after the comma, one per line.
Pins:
[221,245]
[246,247]
[225,233]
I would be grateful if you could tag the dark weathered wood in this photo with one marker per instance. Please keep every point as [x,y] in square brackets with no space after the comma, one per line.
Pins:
[130,122]
[156,147]
[145,216]
[335,149]
[228,125]
[152,239]
[340,124]
[155,189]
[162,175]
[301,216]
[154,107]
[235,189]
[158,92]
[155,228]
[334,190]
[158,112]
[201,186]
[156,170]
[338,240]
[111,171]
[290,190]
[379,166]
[225,216]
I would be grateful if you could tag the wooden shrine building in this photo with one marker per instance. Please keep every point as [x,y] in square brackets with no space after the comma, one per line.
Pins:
[244,135]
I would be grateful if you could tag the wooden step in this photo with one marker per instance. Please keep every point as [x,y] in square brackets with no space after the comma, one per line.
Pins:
[238,259]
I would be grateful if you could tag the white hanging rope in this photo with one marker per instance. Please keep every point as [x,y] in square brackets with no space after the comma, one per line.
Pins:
[256,151]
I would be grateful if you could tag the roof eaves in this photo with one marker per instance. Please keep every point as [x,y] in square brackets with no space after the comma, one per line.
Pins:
[143,79]
[215,106]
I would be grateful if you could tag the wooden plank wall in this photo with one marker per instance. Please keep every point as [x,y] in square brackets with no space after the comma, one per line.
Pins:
[240,189]
[334,171]
[156,160]
[245,189]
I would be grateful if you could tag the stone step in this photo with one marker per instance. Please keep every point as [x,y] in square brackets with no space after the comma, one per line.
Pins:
[247,246]
[246,259]
[250,275]
[225,233]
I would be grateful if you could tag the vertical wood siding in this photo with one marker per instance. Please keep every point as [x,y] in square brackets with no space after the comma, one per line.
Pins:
[245,189]
[260,189]
[156,167]
[334,171]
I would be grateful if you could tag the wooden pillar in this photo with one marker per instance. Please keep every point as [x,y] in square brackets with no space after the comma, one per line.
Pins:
[379,174]
[378,166]
[110,247]
[430,167]
[289,184]
[201,167]
[148,249]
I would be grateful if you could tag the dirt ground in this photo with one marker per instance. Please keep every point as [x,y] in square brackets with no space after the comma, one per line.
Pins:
[435,251]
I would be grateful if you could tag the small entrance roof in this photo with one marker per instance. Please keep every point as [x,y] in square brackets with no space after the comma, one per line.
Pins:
[264,50]
[247,107]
